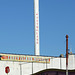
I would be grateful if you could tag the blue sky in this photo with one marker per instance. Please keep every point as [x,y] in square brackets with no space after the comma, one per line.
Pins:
[57,18]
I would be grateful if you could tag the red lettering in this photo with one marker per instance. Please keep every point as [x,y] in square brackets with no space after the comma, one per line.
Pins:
[37,17]
[49,59]
[37,36]
[36,14]
[16,58]
[19,58]
[37,39]
[23,58]
[6,57]
[9,57]
[36,33]
[32,58]
[36,23]
[36,20]
[27,58]
[36,26]
[37,42]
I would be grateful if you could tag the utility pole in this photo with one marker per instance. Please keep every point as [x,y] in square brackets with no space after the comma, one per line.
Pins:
[66,54]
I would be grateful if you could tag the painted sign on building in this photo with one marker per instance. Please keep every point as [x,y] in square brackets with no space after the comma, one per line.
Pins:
[25,58]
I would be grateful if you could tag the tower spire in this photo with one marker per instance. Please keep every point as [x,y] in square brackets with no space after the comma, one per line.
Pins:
[36,26]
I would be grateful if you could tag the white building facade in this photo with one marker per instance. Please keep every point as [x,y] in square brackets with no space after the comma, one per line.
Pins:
[33,64]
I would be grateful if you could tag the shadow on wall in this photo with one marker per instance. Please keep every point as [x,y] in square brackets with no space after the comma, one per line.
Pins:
[55,72]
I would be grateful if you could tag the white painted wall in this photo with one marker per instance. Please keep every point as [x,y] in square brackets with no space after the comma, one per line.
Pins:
[71,62]
[24,68]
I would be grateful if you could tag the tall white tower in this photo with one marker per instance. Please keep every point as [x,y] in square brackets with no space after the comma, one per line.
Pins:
[36,26]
